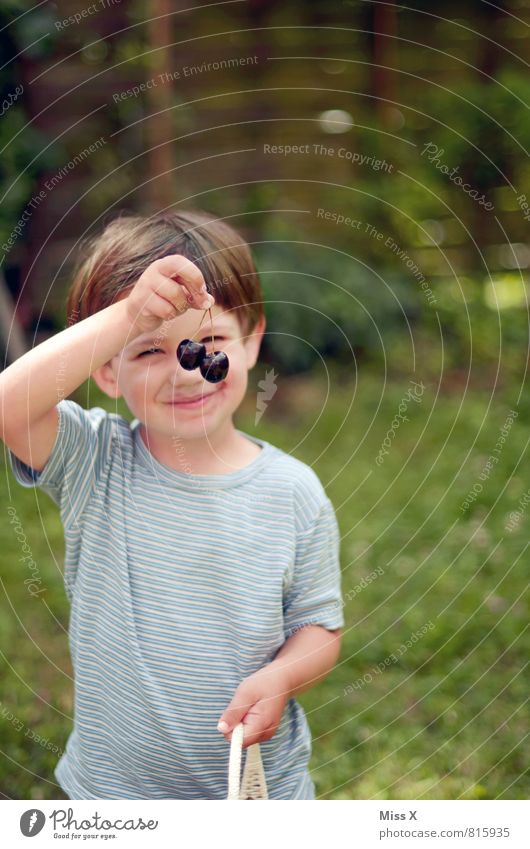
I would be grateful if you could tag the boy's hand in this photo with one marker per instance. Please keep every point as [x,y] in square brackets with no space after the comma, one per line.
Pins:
[157,295]
[258,702]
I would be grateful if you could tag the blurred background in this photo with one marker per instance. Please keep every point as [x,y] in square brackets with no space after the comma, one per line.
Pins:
[375,156]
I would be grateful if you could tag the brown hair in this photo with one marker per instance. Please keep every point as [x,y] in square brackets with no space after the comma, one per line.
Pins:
[113,261]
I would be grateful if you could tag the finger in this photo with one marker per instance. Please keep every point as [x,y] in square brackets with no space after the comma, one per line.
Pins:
[176,294]
[164,309]
[185,272]
[232,716]
[253,728]
[200,301]
[242,702]
[152,308]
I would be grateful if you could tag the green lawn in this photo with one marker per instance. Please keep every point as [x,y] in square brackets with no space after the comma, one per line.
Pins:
[445,718]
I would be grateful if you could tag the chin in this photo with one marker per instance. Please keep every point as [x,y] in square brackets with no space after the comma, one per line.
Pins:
[194,427]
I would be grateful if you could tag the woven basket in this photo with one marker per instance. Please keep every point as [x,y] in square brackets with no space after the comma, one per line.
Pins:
[253,784]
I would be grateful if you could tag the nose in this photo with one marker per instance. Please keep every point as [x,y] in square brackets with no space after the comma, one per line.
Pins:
[180,376]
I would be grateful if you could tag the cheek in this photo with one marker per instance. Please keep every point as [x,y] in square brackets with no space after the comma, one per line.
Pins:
[139,381]
[237,378]
[237,359]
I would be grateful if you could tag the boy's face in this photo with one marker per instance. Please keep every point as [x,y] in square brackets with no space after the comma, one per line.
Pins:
[152,382]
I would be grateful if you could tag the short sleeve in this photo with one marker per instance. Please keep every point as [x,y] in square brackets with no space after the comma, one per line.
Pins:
[76,463]
[313,595]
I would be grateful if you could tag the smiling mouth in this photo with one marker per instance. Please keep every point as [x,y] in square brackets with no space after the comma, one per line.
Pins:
[192,402]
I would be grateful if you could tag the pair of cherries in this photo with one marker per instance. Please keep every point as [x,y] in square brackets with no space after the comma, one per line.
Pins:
[192,355]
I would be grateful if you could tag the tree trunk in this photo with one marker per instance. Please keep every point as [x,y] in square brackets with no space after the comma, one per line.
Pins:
[159,125]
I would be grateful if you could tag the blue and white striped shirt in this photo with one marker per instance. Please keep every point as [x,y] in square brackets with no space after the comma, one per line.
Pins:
[180,586]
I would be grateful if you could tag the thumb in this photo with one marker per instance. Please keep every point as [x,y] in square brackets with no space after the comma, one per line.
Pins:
[234,713]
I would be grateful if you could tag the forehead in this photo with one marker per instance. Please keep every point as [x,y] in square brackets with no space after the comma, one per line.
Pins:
[190,325]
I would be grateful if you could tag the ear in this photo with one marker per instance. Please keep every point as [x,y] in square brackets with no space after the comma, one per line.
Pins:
[253,342]
[105,378]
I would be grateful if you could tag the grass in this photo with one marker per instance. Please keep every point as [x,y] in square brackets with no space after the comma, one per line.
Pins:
[445,718]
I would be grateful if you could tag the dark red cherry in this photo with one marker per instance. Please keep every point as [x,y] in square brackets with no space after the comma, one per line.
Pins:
[190,354]
[214,367]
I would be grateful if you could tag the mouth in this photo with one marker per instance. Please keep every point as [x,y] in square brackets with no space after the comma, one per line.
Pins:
[196,401]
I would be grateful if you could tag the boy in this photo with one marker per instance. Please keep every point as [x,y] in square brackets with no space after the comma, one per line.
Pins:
[201,563]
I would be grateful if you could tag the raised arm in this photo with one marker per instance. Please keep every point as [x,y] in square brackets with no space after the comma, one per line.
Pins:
[29,387]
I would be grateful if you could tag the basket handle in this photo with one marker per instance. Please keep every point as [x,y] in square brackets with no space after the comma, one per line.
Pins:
[253,784]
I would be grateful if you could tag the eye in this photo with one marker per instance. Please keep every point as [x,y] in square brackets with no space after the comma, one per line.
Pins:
[149,351]
[209,338]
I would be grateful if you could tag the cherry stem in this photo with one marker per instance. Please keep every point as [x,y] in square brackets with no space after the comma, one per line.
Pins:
[201,321]
[209,310]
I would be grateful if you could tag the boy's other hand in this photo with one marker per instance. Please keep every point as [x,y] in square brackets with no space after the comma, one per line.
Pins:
[167,288]
[258,703]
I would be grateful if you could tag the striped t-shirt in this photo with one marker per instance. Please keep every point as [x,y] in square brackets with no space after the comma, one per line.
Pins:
[180,586]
